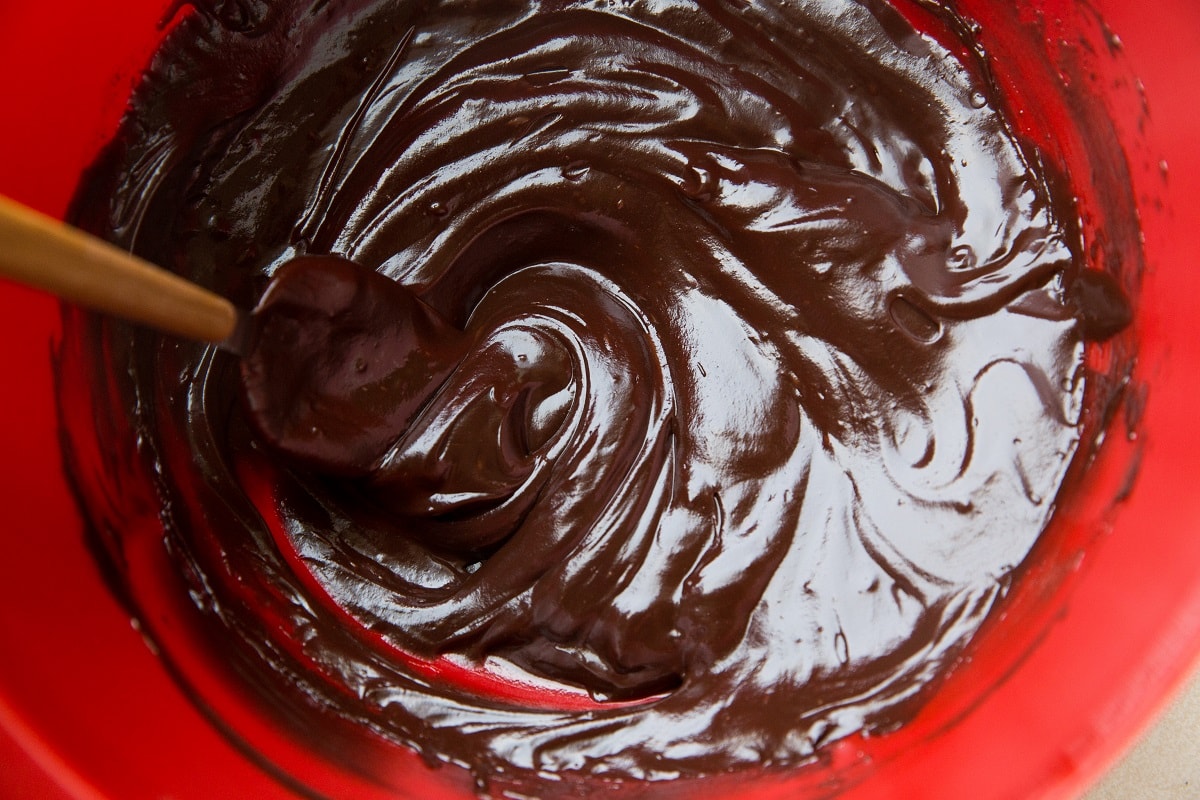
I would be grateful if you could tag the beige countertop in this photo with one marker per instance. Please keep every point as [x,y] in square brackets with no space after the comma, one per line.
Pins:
[1165,764]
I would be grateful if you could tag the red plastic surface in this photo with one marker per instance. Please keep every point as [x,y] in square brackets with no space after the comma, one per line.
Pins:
[87,711]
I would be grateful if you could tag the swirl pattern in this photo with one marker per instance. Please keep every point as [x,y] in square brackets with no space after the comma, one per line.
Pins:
[769,381]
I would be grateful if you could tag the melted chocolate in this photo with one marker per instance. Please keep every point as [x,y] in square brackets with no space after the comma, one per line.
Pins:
[722,365]
[340,361]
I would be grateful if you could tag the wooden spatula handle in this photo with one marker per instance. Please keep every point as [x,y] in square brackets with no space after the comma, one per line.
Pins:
[42,252]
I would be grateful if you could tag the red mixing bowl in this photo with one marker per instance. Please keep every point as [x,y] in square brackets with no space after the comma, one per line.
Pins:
[1090,651]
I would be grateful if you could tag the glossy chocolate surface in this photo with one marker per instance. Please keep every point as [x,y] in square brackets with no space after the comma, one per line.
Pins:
[722,366]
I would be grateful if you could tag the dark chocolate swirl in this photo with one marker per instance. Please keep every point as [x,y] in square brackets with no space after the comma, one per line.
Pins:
[768,378]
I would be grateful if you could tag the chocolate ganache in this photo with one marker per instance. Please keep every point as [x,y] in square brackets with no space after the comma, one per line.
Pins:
[722,363]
